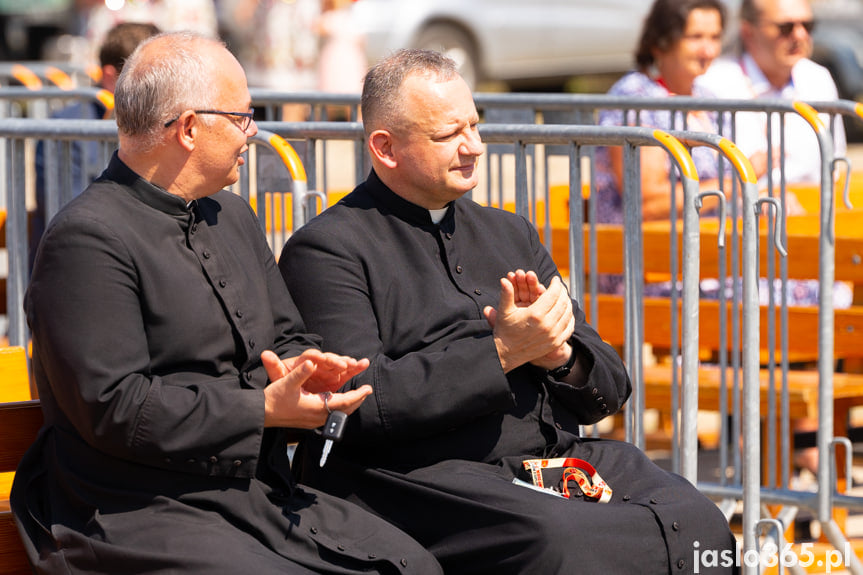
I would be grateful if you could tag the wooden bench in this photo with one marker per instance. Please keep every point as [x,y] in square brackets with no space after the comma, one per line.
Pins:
[14,375]
[19,424]
[803,246]
[20,420]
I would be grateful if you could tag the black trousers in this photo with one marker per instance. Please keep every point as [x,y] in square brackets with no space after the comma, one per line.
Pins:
[475,520]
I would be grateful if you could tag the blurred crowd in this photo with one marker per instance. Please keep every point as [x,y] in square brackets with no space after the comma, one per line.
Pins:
[295,45]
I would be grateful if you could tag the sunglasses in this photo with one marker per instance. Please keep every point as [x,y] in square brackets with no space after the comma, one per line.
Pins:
[786,28]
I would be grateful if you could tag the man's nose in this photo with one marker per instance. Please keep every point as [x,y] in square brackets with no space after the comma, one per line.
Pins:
[473,145]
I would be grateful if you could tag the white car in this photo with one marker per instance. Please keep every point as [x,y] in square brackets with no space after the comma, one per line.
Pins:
[518,42]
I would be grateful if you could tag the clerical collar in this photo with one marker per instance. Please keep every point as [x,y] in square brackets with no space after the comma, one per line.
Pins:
[437,215]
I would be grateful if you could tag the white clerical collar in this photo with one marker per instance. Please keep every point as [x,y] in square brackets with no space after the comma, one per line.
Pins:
[437,215]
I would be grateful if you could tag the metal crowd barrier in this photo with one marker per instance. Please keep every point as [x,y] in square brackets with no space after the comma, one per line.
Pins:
[577,143]
[16,176]
[22,102]
[35,75]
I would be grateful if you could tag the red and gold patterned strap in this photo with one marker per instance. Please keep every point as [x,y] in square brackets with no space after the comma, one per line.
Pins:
[588,479]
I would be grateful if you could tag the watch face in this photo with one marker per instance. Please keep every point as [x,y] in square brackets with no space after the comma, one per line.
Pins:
[564,369]
[561,371]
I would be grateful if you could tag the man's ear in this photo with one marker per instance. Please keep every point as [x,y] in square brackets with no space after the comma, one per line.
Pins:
[110,74]
[185,129]
[381,148]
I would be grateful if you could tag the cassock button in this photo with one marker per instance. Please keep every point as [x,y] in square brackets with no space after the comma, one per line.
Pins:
[248,376]
[237,463]
[626,497]
[222,283]
[214,459]
[557,425]
[594,391]
[449,235]
[675,526]
[194,228]
[239,313]
[404,562]
[653,501]
[251,344]
[372,556]
[477,291]
[340,547]
[600,399]
[206,254]
[459,269]
[681,564]
[314,530]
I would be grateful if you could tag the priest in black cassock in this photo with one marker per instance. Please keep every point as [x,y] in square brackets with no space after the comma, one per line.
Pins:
[482,366]
[170,359]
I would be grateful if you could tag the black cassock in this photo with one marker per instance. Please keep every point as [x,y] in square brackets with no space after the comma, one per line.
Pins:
[437,447]
[148,318]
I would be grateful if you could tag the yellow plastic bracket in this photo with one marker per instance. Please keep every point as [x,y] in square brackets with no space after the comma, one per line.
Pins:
[26,76]
[107,99]
[289,157]
[740,161]
[810,115]
[59,78]
[676,148]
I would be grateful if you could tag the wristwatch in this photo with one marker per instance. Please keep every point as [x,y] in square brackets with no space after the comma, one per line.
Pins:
[563,370]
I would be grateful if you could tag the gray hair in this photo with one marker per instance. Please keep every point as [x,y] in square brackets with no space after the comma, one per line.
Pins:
[154,90]
[381,102]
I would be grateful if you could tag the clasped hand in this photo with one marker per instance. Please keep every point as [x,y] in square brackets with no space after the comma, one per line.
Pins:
[294,396]
[532,323]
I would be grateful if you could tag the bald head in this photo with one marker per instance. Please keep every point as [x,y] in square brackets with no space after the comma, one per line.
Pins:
[165,75]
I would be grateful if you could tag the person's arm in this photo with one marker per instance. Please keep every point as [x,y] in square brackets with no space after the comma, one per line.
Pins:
[531,324]
[295,396]
[599,385]
[589,390]
[196,405]
[427,391]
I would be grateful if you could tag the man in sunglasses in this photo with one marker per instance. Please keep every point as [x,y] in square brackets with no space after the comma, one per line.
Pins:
[773,62]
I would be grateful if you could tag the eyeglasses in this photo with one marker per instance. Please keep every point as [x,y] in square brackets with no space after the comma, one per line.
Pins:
[243,123]
[786,28]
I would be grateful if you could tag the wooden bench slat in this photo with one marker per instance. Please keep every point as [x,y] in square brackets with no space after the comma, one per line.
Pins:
[14,375]
[802,246]
[802,389]
[19,424]
[802,325]
[13,560]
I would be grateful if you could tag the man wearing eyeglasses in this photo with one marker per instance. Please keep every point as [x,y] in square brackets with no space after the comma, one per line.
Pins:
[773,62]
[170,359]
